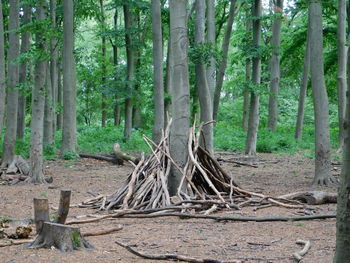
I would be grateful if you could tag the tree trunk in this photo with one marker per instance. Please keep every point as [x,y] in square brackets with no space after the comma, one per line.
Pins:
[38,103]
[303,87]
[115,61]
[211,68]
[130,55]
[179,89]
[59,96]
[49,109]
[322,147]
[168,83]
[204,95]
[275,66]
[53,65]
[12,95]
[342,249]
[342,62]
[221,71]
[2,71]
[246,93]
[253,123]
[69,139]
[158,82]
[23,70]
[103,68]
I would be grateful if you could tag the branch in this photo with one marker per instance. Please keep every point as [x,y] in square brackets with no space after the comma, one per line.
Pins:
[299,255]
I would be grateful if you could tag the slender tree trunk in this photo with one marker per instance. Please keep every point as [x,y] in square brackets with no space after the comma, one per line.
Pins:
[303,88]
[12,95]
[2,71]
[115,61]
[322,147]
[222,68]
[168,83]
[342,62]
[38,102]
[204,95]
[253,123]
[23,70]
[275,66]
[180,90]
[49,109]
[211,68]
[53,64]
[158,83]
[69,139]
[137,114]
[103,67]
[246,93]
[130,56]
[59,96]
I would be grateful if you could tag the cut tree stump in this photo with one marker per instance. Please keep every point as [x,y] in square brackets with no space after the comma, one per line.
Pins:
[63,208]
[63,237]
[312,197]
[41,213]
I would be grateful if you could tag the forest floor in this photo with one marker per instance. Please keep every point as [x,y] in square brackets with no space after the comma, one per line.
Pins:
[200,238]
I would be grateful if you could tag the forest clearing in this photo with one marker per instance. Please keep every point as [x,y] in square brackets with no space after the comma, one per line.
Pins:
[200,238]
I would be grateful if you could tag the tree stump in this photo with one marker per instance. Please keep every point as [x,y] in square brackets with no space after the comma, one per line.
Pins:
[63,237]
[63,208]
[41,213]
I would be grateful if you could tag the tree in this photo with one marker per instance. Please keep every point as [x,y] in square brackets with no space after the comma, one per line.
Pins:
[69,81]
[275,66]
[49,108]
[211,68]
[38,101]
[115,61]
[201,80]
[130,55]
[12,94]
[53,63]
[23,71]
[179,90]
[320,98]
[158,90]
[342,61]
[253,122]
[103,65]
[2,71]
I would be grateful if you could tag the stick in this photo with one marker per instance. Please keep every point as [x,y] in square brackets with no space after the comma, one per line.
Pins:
[237,162]
[102,232]
[169,256]
[63,207]
[299,255]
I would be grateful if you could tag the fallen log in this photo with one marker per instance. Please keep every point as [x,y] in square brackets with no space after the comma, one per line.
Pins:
[312,197]
[170,256]
[100,157]
[236,162]
[121,155]
[102,232]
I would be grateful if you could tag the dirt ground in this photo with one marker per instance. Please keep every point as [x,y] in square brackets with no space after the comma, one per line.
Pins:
[200,238]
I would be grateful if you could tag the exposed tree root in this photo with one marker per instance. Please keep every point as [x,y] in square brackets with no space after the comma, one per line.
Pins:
[325,181]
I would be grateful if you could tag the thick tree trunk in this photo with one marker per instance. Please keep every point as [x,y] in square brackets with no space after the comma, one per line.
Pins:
[222,67]
[253,123]
[211,68]
[69,139]
[38,103]
[180,90]
[322,147]
[12,94]
[342,249]
[130,55]
[23,70]
[303,88]
[204,95]
[342,63]
[2,71]
[53,64]
[275,66]
[49,108]
[158,82]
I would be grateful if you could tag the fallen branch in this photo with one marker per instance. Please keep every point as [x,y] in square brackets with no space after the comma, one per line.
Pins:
[236,162]
[312,197]
[102,232]
[170,256]
[299,255]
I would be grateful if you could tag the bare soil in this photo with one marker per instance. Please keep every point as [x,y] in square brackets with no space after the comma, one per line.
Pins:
[245,241]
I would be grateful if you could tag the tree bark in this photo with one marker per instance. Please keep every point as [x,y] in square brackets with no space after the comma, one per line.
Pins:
[211,68]
[204,95]
[246,93]
[49,108]
[130,55]
[103,67]
[322,147]
[158,82]
[179,90]
[38,103]
[53,65]
[253,123]
[168,83]
[23,70]
[275,66]
[115,61]
[59,96]
[303,87]
[69,139]
[342,63]
[12,94]
[2,71]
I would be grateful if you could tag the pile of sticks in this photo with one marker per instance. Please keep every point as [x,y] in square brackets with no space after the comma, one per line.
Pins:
[204,185]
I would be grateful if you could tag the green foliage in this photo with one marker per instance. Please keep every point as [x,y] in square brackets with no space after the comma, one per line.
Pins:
[69,155]
[76,239]
[5,219]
